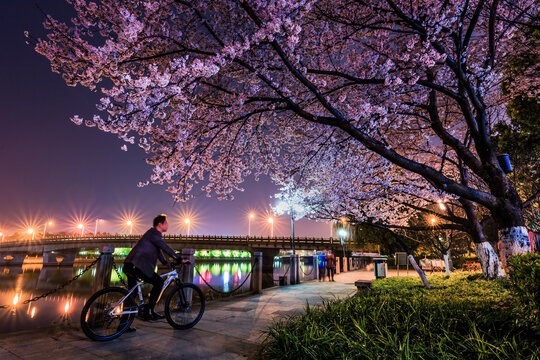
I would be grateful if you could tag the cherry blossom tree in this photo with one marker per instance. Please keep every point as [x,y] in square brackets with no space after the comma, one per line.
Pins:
[335,186]
[217,90]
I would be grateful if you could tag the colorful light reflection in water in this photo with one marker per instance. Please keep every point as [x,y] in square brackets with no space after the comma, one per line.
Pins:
[20,283]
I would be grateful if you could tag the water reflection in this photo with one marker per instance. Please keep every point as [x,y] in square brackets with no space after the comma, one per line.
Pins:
[19,283]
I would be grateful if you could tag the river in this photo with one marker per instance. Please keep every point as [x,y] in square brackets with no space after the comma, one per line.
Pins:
[62,308]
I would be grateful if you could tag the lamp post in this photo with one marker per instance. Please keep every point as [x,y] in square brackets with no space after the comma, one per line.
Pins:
[2,235]
[81,226]
[292,229]
[130,223]
[95,229]
[251,216]
[31,231]
[271,221]
[342,233]
[187,223]
[45,228]
[446,255]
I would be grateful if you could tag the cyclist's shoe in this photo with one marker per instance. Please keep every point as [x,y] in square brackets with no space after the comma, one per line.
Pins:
[131,329]
[156,316]
[151,316]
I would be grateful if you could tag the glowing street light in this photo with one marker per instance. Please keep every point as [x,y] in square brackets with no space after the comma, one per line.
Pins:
[81,226]
[45,228]
[271,221]
[2,235]
[31,231]
[95,229]
[433,221]
[130,224]
[251,216]
[188,224]
[342,233]
[441,205]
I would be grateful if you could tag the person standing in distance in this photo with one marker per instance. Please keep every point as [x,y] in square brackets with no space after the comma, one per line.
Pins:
[141,263]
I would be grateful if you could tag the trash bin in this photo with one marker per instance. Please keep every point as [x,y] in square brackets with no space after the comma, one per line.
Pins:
[379,266]
[283,280]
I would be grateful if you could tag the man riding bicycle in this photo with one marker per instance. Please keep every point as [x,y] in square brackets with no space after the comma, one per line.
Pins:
[141,263]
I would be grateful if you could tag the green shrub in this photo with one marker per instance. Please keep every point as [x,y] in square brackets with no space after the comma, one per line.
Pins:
[399,319]
[525,285]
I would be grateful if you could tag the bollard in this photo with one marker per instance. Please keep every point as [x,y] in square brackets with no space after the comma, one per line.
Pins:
[345,264]
[256,275]
[187,274]
[294,271]
[104,268]
[338,267]
[315,267]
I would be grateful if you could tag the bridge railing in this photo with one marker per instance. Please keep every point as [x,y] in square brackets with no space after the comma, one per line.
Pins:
[173,238]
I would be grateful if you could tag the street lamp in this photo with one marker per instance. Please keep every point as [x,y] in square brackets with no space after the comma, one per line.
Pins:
[251,216]
[45,228]
[31,231]
[187,223]
[290,205]
[441,205]
[95,229]
[130,223]
[271,221]
[342,233]
[2,235]
[81,226]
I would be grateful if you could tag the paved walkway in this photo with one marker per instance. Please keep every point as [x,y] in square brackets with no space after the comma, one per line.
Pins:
[229,329]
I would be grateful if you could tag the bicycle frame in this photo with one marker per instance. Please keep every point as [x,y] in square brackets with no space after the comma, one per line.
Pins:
[170,277]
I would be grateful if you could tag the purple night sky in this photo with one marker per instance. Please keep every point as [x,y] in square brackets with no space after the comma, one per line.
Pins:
[54,169]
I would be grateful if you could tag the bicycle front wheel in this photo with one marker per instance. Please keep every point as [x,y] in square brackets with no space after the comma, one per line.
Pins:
[103,318]
[184,306]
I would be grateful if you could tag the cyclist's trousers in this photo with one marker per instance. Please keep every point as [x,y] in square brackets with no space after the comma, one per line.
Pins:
[157,281]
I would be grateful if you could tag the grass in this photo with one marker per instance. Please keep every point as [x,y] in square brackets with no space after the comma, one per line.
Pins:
[463,317]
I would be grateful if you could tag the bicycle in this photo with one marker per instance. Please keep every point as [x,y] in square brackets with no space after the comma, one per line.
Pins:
[110,312]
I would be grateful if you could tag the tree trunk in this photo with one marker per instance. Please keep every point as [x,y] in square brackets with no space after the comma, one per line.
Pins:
[491,267]
[513,241]
[489,261]
[419,271]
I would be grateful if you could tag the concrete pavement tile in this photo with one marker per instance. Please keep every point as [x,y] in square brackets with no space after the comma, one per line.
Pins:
[7,355]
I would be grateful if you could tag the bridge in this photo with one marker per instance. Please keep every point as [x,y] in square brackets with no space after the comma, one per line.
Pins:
[199,242]
[62,251]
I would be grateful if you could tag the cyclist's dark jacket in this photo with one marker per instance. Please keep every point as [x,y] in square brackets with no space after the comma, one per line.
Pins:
[147,250]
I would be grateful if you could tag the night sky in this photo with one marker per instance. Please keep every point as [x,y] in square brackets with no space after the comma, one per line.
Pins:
[51,168]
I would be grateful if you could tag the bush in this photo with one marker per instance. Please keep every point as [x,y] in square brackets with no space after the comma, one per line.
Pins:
[525,284]
[400,319]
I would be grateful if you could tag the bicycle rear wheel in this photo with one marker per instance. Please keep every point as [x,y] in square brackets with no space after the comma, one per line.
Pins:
[184,306]
[97,321]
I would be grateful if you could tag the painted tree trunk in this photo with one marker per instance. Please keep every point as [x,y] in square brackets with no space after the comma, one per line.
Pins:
[491,267]
[419,271]
[447,264]
[513,241]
